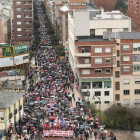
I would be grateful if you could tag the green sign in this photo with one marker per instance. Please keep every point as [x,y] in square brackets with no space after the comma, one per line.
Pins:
[5,45]
[8,51]
[21,49]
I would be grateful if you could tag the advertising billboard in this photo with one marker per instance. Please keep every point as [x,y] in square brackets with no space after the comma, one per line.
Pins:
[21,49]
[21,59]
[5,45]
[7,51]
[6,62]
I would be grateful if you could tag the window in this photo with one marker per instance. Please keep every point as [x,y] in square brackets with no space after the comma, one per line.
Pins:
[18,16]
[126,102]
[18,29]
[118,52]
[126,47]
[137,81]
[86,50]
[96,85]
[83,50]
[19,23]
[18,3]
[18,9]
[107,71]
[117,74]
[108,60]
[136,57]
[98,60]
[126,58]
[136,46]
[98,50]
[137,91]
[97,71]
[137,101]
[66,16]
[85,61]
[19,36]
[106,102]
[126,81]
[85,72]
[86,94]
[107,84]
[126,69]
[97,93]
[66,23]
[117,97]
[118,63]
[85,85]
[108,50]
[136,68]
[125,29]
[19,102]
[117,85]
[14,106]
[106,93]
[109,30]
[126,92]
[97,102]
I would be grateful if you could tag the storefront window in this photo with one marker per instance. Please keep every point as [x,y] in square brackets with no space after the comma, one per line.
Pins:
[85,85]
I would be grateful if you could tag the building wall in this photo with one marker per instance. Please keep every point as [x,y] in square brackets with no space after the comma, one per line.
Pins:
[1,30]
[126,75]
[4,124]
[81,24]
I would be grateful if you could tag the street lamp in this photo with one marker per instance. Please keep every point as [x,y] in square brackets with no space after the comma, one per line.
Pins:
[99,107]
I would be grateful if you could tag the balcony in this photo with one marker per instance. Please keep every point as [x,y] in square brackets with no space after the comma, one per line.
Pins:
[114,51]
[28,25]
[15,111]
[27,3]
[83,54]
[10,115]
[83,65]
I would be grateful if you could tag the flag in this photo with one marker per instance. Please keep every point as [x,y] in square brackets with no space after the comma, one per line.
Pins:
[42,94]
[65,125]
[117,135]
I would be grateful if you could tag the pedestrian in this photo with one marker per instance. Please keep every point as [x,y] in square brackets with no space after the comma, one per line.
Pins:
[1,136]
[95,134]
[77,86]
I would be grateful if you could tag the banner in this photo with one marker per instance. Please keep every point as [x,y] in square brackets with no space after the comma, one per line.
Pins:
[8,51]
[5,45]
[6,62]
[21,59]
[58,133]
[12,72]
[21,49]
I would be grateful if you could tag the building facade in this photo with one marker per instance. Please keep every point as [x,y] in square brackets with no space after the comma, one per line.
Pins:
[23,20]
[63,26]
[11,109]
[134,13]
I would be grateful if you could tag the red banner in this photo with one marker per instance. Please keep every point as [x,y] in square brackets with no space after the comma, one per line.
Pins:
[59,133]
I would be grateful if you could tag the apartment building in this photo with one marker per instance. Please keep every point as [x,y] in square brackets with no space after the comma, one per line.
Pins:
[92,56]
[11,109]
[134,13]
[63,24]
[127,73]
[5,29]
[23,20]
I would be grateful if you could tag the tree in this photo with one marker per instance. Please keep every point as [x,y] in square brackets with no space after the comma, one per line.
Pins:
[32,54]
[36,24]
[35,17]
[59,50]
[93,110]
[121,5]
[55,40]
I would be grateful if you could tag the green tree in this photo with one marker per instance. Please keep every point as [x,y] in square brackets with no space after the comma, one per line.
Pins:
[55,40]
[51,32]
[93,109]
[59,50]
[121,5]
[36,24]
[35,17]
[32,54]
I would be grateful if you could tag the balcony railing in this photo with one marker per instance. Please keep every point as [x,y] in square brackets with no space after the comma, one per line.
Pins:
[27,3]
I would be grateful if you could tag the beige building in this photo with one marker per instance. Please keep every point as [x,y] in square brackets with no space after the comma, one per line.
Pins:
[11,108]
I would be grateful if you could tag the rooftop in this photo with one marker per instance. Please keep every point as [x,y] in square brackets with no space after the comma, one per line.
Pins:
[126,35]
[90,38]
[8,98]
